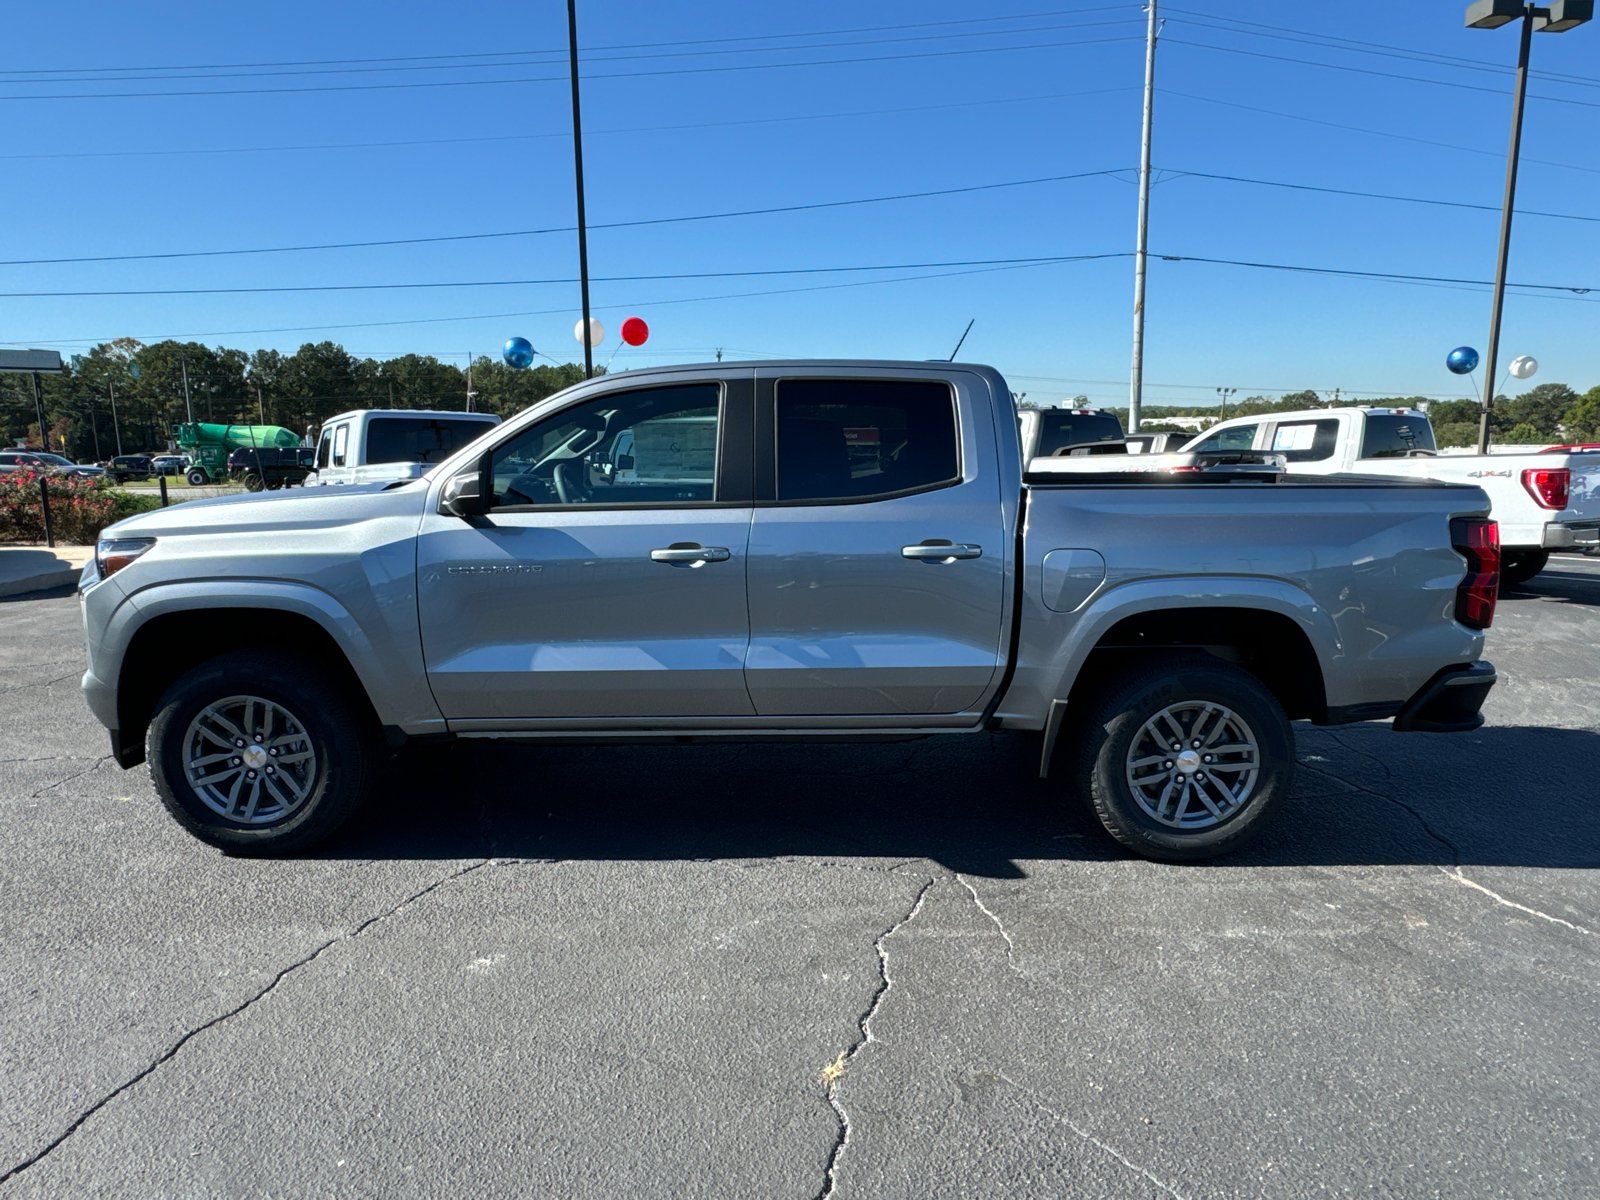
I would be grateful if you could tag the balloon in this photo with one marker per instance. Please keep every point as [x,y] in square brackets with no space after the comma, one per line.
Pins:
[518,353]
[597,331]
[1463,360]
[1524,367]
[635,331]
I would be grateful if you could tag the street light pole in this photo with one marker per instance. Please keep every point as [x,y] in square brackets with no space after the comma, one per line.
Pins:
[1136,384]
[577,163]
[1556,17]
[1487,401]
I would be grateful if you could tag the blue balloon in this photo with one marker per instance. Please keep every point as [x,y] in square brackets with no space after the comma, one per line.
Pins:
[1463,360]
[519,353]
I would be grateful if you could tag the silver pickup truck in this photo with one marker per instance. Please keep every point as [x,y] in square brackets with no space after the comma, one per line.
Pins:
[794,550]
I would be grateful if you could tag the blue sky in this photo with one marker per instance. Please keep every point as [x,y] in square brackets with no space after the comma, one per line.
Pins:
[721,107]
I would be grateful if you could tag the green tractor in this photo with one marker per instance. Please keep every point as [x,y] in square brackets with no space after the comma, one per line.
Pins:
[208,446]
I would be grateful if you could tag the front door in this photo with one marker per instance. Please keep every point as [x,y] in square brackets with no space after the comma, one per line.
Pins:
[877,552]
[608,578]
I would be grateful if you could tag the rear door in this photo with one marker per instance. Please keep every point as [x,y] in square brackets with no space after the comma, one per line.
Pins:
[877,550]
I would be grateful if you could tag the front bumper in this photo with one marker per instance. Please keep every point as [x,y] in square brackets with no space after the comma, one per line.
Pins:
[1449,702]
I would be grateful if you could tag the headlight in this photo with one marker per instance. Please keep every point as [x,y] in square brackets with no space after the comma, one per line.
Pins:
[112,554]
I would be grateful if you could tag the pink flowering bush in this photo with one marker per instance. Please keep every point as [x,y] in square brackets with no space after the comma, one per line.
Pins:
[80,507]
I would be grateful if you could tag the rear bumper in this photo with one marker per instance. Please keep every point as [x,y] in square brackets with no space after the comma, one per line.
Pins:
[1571,537]
[1449,702]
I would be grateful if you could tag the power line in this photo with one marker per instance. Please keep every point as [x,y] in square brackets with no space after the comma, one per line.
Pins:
[465,237]
[532,60]
[522,137]
[1306,187]
[1390,275]
[558,51]
[444,83]
[1272,112]
[381,287]
[1311,62]
[1354,46]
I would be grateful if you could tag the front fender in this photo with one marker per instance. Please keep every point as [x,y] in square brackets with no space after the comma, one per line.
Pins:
[390,675]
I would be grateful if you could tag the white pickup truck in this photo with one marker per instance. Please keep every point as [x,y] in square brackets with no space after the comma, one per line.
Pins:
[1542,502]
[383,445]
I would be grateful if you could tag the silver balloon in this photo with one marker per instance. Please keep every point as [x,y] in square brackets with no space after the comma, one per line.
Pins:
[1524,367]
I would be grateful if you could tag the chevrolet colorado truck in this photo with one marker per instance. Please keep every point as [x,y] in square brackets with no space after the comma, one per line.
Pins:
[785,550]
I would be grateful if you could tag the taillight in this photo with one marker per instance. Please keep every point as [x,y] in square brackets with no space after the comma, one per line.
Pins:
[1548,486]
[1477,539]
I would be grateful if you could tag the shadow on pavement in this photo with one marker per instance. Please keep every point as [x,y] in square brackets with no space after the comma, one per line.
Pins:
[1517,796]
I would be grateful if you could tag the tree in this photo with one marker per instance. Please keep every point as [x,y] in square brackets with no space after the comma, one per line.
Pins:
[1581,421]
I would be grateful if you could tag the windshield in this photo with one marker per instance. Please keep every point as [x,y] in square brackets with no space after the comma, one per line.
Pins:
[1388,435]
[410,439]
[1058,430]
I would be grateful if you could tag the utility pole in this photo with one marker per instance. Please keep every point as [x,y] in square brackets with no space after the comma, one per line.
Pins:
[188,405]
[470,392]
[391,393]
[94,427]
[261,406]
[577,162]
[1136,388]
[115,424]
[38,407]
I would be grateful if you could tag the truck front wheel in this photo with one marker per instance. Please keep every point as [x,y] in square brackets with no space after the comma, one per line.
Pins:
[1184,757]
[198,478]
[259,753]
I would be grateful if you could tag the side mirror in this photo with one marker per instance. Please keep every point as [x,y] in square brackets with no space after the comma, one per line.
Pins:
[463,494]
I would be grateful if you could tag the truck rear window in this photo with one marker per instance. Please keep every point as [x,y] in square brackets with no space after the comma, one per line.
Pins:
[413,439]
[1388,435]
[1058,430]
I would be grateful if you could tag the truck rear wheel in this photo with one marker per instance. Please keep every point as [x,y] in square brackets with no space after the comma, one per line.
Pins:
[253,481]
[1519,566]
[260,753]
[1185,757]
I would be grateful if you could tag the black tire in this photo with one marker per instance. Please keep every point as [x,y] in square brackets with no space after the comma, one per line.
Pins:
[341,734]
[274,484]
[253,482]
[1519,566]
[1104,744]
[198,478]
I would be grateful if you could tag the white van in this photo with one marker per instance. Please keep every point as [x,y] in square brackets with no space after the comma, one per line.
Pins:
[380,445]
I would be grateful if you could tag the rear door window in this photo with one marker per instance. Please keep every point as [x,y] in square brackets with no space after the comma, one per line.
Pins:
[1062,430]
[1391,435]
[341,438]
[419,439]
[860,439]
[1234,438]
[323,448]
[1306,441]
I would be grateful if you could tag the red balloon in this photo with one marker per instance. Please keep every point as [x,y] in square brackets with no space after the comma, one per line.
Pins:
[635,331]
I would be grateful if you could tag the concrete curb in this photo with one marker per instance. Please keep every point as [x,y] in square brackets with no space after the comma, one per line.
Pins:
[36,569]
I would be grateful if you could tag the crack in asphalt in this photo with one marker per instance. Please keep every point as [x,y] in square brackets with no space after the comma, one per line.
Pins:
[1499,899]
[20,687]
[1011,946]
[864,1025]
[94,766]
[1089,1137]
[171,1051]
[1453,872]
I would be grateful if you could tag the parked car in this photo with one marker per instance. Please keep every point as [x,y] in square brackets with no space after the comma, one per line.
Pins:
[1048,431]
[126,468]
[801,550]
[169,464]
[271,467]
[1542,501]
[42,460]
[381,445]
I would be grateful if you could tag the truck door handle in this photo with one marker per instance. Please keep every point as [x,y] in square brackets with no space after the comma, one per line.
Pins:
[941,551]
[690,554]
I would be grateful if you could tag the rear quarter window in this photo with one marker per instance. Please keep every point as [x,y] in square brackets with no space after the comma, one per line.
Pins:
[1060,430]
[1388,435]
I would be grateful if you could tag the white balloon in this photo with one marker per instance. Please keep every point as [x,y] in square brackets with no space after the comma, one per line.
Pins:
[597,331]
[1524,367]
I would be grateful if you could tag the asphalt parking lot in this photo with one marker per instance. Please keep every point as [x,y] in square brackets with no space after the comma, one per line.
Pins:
[861,971]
